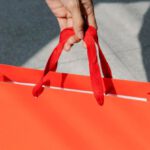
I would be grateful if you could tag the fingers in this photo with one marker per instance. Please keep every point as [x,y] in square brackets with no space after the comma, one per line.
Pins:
[78,22]
[71,41]
[80,11]
[91,20]
[79,27]
[62,23]
[65,23]
[73,6]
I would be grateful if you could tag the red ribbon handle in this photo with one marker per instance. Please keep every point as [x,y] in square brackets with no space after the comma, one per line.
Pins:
[90,39]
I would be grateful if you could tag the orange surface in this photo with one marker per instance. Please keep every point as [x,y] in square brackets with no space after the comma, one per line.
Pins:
[64,120]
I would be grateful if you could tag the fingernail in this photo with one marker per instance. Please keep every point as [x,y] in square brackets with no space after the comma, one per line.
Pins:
[67,48]
[80,34]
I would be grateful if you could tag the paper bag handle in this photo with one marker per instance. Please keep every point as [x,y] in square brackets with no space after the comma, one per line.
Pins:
[90,39]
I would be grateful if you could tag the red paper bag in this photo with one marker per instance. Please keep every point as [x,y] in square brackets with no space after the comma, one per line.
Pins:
[65,115]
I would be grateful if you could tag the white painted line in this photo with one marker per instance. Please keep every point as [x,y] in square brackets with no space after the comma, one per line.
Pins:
[85,92]
[128,97]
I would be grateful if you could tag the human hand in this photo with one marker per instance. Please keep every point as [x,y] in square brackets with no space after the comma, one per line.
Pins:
[73,13]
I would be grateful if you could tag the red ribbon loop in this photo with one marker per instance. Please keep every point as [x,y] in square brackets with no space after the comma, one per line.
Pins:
[90,39]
